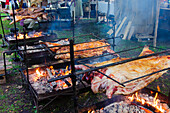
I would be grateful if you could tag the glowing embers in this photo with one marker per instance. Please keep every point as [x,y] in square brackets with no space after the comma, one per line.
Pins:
[27,36]
[141,102]
[119,107]
[150,101]
[40,76]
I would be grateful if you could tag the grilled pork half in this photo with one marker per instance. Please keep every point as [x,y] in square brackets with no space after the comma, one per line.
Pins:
[125,72]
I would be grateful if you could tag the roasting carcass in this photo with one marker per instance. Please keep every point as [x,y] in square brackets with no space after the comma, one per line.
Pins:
[125,72]
[81,49]
[26,13]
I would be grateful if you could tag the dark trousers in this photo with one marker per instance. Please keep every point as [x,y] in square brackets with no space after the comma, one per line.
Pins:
[3,4]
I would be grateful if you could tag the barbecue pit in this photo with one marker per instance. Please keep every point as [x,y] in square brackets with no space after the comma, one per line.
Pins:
[143,101]
[31,37]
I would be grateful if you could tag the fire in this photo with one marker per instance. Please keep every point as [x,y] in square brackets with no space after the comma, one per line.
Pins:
[158,88]
[39,74]
[91,111]
[43,74]
[21,36]
[153,103]
[61,73]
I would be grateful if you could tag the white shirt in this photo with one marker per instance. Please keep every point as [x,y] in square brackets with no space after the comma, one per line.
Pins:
[2,0]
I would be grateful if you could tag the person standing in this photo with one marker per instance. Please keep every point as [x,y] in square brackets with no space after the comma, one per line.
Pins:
[2,4]
[7,4]
[14,2]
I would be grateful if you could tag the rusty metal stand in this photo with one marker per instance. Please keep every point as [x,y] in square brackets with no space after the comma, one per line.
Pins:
[16,41]
[3,44]
[73,76]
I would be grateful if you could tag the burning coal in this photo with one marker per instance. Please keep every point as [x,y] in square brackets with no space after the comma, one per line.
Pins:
[39,78]
[136,103]
[27,36]
[153,102]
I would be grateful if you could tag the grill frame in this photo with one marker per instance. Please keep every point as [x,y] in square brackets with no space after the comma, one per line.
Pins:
[118,98]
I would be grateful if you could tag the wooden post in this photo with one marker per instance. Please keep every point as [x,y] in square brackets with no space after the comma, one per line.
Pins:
[157,21]
[120,26]
[96,10]
[131,32]
[108,10]
[89,7]
[127,30]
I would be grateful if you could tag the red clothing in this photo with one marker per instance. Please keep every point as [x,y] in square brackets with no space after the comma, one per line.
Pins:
[7,2]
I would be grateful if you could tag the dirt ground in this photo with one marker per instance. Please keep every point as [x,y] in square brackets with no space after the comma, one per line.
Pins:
[16,99]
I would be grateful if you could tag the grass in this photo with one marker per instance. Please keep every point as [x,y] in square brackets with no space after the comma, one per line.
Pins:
[14,99]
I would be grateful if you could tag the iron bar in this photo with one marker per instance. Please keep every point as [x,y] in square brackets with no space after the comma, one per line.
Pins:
[49,50]
[74,44]
[113,35]
[82,50]
[169,98]
[145,75]
[73,23]
[59,78]
[107,76]
[2,30]
[48,103]
[107,54]
[95,36]
[4,63]
[156,47]
[25,54]
[73,76]
[121,62]
[15,26]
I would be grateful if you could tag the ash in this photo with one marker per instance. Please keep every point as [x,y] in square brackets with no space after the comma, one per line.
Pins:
[62,42]
[41,85]
[121,107]
[32,47]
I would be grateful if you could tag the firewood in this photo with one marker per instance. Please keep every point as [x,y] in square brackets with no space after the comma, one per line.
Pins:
[127,29]
[120,26]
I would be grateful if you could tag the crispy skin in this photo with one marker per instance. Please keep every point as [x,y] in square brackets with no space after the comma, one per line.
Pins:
[128,71]
[84,53]
[26,13]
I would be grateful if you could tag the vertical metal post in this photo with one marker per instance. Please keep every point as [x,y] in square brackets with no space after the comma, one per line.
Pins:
[97,11]
[169,98]
[4,63]
[113,23]
[73,23]
[73,76]
[16,41]
[25,55]
[2,31]
[108,11]
[15,27]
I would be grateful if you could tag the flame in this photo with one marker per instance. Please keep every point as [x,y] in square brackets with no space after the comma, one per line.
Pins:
[39,74]
[61,72]
[153,103]
[21,36]
[91,111]
[158,88]
[52,70]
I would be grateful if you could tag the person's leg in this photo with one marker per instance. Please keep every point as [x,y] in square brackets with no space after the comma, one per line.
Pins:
[0,7]
[16,5]
[3,5]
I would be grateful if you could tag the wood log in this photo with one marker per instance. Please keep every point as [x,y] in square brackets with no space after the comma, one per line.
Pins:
[131,32]
[127,29]
[156,23]
[120,26]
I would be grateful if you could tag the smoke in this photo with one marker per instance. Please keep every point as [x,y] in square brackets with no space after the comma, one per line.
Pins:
[142,13]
